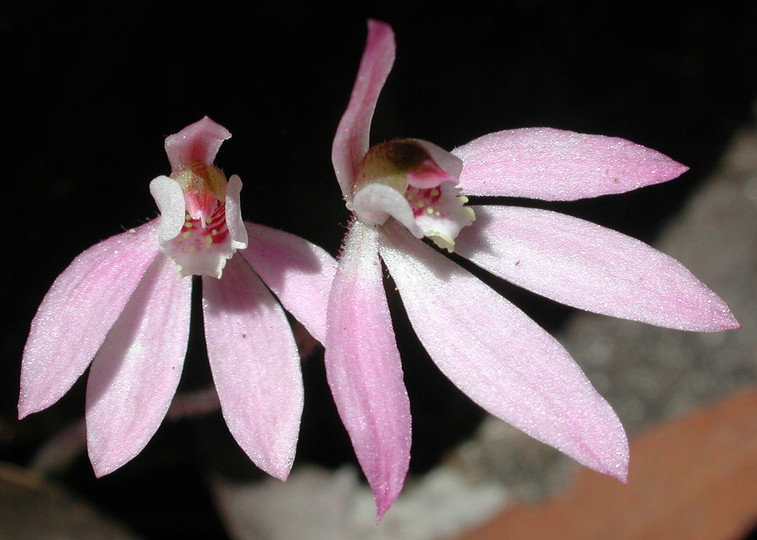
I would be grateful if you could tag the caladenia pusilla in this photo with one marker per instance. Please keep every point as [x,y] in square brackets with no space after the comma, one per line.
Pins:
[123,306]
[403,191]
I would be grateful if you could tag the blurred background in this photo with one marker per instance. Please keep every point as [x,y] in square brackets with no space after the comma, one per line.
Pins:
[93,90]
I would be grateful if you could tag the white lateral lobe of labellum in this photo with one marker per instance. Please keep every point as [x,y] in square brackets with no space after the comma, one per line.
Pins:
[363,367]
[556,165]
[590,267]
[501,359]
[255,366]
[135,373]
[375,203]
[299,273]
[237,230]
[78,311]
[169,197]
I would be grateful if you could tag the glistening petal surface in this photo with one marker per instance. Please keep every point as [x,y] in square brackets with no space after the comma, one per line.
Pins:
[590,267]
[353,133]
[557,165]
[136,371]
[255,366]
[501,359]
[77,312]
[298,272]
[196,143]
[364,370]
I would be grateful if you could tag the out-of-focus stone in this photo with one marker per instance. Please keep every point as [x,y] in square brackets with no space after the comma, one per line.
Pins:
[32,508]
[693,478]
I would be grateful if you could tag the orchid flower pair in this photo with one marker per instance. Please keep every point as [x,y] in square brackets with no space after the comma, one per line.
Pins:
[124,304]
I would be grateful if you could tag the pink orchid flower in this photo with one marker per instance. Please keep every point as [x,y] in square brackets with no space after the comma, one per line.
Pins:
[405,190]
[124,306]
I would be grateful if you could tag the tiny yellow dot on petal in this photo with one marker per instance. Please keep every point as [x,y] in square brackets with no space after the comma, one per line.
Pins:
[434,192]
[430,210]
[187,234]
[421,204]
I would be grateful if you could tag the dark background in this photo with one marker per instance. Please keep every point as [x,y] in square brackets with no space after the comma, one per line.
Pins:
[92,91]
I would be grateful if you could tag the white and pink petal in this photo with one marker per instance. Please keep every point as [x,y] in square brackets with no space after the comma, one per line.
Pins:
[135,373]
[196,143]
[501,359]
[590,267]
[557,165]
[76,314]
[353,133]
[364,370]
[299,273]
[255,366]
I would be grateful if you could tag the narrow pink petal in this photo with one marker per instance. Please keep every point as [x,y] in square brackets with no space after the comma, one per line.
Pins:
[196,143]
[298,272]
[77,312]
[590,267]
[556,165]
[352,136]
[255,366]
[364,369]
[501,359]
[136,371]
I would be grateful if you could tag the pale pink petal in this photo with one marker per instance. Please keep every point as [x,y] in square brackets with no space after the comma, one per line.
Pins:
[169,197]
[255,366]
[501,359]
[590,267]
[352,136]
[196,143]
[364,370]
[136,371]
[77,312]
[298,272]
[556,165]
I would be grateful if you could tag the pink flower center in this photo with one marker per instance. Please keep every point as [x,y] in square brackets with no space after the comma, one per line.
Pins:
[424,201]
[196,237]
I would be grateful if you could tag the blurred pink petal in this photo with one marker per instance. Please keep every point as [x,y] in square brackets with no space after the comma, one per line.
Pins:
[136,371]
[77,312]
[556,165]
[590,267]
[501,359]
[352,136]
[255,366]
[299,273]
[364,370]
